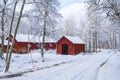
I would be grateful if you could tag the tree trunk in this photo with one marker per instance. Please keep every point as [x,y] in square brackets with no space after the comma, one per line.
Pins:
[96,42]
[86,48]
[43,37]
[16,29]
[119,43]
[115,42]
[110,41]
[93,42]
[8,46]
[2,25]
[99,47]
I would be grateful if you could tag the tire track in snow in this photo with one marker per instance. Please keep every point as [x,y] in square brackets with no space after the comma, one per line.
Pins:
[89,70]
[89,74]
[102,65]
[60,70]
[71,76]
[110,68]
[92,73]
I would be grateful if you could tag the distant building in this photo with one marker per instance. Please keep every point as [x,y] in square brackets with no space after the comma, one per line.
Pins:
[24,43]
[70,45]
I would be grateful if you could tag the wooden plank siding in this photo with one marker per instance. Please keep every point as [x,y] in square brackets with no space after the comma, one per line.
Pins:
[73,49]
[22,47]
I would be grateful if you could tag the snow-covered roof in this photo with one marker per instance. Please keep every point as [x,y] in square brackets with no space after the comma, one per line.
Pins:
[75,40]
[32,38]
[26,38]
[47,39]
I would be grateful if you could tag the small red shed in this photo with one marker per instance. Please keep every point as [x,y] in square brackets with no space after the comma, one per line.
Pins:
[69,45]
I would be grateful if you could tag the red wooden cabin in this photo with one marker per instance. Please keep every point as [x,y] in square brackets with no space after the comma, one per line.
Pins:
[70,45]
[24,43]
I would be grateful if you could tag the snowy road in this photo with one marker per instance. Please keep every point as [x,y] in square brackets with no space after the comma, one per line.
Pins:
[80,70]
[77,70]
[95,67]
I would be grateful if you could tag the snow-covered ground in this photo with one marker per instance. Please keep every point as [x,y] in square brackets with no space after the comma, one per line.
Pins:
[101,66]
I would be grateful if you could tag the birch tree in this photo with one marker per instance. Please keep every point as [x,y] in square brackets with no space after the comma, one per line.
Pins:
[3,13]
[11,25]
[94,16]
[16,29]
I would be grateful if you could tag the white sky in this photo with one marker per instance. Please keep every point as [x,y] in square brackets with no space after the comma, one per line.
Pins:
[72,8]
[67,2]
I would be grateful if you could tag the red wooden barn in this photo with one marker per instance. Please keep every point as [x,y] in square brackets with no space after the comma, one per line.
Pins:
[24,43]
[49,43]
[70,45]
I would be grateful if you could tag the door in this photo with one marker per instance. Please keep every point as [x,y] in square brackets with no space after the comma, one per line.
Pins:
[65,49]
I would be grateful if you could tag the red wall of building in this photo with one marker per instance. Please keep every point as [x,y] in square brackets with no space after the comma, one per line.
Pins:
[73,49]
[65,41]
[79,48]
[50,46]
[22,47]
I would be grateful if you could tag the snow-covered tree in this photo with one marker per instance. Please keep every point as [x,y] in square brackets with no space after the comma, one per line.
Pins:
[48,14]
[105,10]
[69,26]
[112,10]
[94,20]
